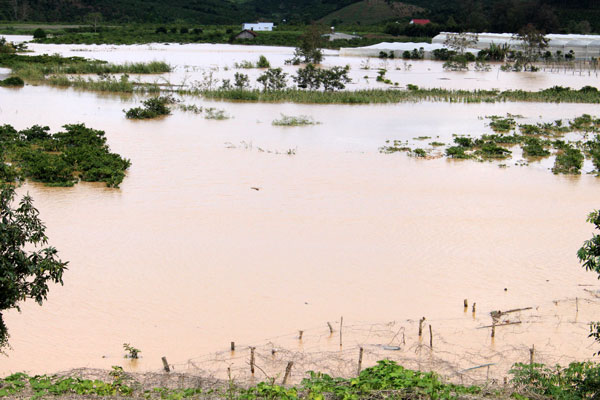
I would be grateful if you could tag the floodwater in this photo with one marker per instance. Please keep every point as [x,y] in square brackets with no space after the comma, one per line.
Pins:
[186,257]
[194,63]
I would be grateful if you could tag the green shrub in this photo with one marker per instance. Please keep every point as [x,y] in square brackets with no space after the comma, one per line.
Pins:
[153,108]
[457,152]
[263,62]
[534,148]
[39,33]
[490,149]
[580,380]
[568,161]
[13,81]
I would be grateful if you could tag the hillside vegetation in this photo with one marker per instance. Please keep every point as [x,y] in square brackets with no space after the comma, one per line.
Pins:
[370,12]
[550,16]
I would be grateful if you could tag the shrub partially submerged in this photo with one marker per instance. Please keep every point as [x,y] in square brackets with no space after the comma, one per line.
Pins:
[289,120]
[13,81]
[60,159]
[153,108]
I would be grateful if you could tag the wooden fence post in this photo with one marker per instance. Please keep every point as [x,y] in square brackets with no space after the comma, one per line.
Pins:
[360,355]
[166,364]
[288,370]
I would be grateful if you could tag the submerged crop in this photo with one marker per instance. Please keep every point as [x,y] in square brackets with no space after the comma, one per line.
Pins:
[59,159]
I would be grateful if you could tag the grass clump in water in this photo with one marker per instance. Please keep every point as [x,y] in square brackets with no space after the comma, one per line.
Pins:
[215,113]
[501,124]
[569,160]
[289,120]
[153,108]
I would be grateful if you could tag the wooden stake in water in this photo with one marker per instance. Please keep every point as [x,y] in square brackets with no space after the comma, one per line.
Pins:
[494,328]
[474,307]
[466,303]
[577,304]
[360,355]
[166,364]
[341,324]
[330,328]
[300,333]
[421,326]
[252,359]
[232,346]
[430,337]
[531,354]
[288,370]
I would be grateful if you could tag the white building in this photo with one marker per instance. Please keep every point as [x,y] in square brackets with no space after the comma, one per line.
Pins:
[258,26]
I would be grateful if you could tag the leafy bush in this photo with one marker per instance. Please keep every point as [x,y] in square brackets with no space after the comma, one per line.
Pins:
[39,33]
[241,81]
[312,78]
[153,107]
[13,81]
[490,149]
[60,159]
[580,380]
[273,79]
[534,148]
[568,161]
[263,62]
[457,152]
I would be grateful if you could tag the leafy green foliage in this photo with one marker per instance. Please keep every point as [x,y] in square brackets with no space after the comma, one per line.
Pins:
[331,79]
[39,33]
[42,386]
[132,352]
[534,148]
[153,108]
[580,380]
[568,161]
[289,120]
[589,253]
[273,79]
[24,273]
[61,159]
[501,124]
[13,81]
[263,62]
[309,48]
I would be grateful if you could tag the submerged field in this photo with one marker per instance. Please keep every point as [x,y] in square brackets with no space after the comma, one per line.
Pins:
[242,230]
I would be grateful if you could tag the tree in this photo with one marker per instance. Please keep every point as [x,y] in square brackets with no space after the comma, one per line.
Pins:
[94,19]
[533,45]
[27,266]
[589,256]
[273,79]
[459,42]
[309,49]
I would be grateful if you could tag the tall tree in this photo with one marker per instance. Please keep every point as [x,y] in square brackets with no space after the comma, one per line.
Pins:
[589,256]
[27,264]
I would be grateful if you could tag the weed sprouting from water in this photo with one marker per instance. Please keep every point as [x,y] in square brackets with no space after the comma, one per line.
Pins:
[289,120]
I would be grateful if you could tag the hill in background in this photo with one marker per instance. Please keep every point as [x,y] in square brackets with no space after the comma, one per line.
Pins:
[371,12]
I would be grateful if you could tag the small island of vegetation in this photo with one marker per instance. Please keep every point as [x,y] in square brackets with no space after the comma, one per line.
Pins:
[59,159]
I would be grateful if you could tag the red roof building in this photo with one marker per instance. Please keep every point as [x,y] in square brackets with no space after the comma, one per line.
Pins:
[420,21]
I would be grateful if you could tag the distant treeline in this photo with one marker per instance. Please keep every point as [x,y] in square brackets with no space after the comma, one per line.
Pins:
[550,16]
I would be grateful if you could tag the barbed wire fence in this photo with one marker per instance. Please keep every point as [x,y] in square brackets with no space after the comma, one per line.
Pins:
[476,348]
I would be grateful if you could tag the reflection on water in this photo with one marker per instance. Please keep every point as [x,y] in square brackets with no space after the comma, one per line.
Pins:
[185,257]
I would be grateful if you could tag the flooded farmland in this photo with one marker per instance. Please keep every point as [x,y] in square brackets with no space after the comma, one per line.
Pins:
[186,256]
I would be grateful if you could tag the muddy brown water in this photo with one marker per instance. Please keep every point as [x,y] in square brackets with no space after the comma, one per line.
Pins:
[185,257]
